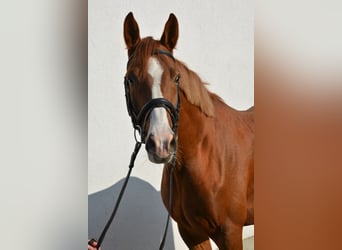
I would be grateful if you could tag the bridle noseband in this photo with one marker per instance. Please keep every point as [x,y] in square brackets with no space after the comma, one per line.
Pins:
[139,120]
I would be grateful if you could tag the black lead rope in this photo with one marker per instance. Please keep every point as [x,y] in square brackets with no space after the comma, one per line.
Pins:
[161,247]
[131,165]
[123,188]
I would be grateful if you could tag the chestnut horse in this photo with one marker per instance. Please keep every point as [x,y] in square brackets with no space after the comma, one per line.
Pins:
[213,148]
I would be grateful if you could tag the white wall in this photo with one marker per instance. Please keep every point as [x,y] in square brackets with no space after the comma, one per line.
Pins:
[216,40]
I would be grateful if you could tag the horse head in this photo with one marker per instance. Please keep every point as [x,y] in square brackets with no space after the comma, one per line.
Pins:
[152,88]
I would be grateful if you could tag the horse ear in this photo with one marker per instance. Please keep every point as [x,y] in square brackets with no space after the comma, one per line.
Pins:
[131,32]
[170,34]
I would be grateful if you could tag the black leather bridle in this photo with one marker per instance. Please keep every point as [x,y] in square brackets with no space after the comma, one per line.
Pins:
[139,122]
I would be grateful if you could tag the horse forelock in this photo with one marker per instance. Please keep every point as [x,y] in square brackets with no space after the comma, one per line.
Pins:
[141,53]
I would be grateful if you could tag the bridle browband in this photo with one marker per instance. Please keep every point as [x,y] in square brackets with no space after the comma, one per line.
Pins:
[139,122]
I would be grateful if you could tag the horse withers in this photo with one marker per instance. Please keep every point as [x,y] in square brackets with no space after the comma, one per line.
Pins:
[211,150]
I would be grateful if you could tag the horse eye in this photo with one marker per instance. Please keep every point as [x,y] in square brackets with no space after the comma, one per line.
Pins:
[130,80]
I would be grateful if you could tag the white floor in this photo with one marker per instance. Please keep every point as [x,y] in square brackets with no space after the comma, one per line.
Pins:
[248,238]
[248,243]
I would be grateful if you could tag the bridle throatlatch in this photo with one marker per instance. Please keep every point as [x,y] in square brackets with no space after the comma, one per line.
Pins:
[139,124]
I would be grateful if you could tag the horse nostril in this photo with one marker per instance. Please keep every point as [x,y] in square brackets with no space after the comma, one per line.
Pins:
[150,143]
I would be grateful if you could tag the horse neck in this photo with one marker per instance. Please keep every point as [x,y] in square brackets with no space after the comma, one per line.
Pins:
[191,118]
[194,124]
[202,116]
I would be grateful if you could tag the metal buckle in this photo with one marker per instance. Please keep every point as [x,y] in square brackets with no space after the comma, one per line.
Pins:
[139,129]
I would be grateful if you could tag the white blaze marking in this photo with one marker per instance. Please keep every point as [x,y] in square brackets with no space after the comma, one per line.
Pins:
[159,123]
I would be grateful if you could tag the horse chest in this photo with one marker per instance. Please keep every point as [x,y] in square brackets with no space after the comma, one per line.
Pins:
[191,204]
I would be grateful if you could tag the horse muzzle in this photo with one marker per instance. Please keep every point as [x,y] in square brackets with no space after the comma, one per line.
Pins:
[161,148]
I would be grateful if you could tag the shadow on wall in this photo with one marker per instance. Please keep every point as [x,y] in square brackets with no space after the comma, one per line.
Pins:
[140,219]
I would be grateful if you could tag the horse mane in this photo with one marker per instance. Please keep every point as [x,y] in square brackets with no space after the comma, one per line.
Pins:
[193,87]
[195,90]
[143,50]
